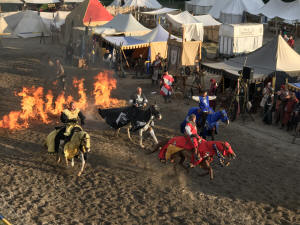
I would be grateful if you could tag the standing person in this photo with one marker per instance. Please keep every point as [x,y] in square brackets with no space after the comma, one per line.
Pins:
[268,108]
[266,93]
[289,108]
[156,69]
[291,42]
[140,66]
[42,38]
[193,137]
[280,103]
[166,86]
[107,57]
[213,92]
[285,37]
[60,74]
[284,30]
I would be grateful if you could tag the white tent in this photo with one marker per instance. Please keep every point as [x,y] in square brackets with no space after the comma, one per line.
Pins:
[215,11]
[27,24]
[11,2]
[5,30]
[233,12]
[151,4]
[48,18]
[73,1]
[60,18]
[238,39]
[199,7]
[207,20]
[41,1]
[193,29]
[160,11]
[124,24]
[117,3]
[284,10]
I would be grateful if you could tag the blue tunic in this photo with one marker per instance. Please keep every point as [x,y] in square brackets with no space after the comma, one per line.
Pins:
[204,104]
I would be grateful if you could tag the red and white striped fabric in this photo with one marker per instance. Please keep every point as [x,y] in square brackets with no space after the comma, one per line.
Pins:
[166,88]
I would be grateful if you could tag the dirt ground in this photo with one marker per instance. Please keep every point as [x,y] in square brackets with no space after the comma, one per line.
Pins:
[122,183]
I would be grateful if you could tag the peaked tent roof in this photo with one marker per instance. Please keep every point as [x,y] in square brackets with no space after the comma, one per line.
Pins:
[4,27]
[215,11]
[160,11]
[284,10]
[207,20]
[158,34]
[182,18]
[151,4]
[280,57]
[117,3]
[60,18]
[41,1]
[127,24]
[237,7]
[96,14]
[30,25]
[276,55]
[202,2]
[88,13]
[12,1]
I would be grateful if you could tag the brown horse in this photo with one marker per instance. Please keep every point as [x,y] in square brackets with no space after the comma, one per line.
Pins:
[207,151]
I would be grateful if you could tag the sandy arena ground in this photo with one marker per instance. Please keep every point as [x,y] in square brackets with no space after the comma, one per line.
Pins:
[122,184]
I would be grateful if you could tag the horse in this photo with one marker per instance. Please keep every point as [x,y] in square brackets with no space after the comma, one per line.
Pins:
[132,119]
[178,150]
[211,125]
[79,144]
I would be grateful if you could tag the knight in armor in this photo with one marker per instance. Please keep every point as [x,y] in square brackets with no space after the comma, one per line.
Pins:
[71,118]
[138,100]
[192,134]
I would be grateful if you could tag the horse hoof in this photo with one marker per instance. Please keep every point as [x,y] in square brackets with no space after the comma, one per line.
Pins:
[79,174]
[142,146]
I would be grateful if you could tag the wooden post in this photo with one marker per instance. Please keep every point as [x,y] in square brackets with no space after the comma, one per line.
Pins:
[125,57]
[274,81]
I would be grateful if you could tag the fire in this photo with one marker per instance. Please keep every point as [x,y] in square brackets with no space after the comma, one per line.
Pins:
[37,106]
[102,90]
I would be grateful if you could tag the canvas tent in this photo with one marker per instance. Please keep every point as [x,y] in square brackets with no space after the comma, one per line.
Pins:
[87,13]
[156,40]
[118,3]
[215,11]
[73,1]
[211,27]
[233,12]
[60,18]
[41,1]
[27,24]
[48,18]
[193,29]
[151,4]
[160,11]
[278,8]
[11,2]
[124,24]
[275,56]
[235,39]
[5,30]
[199,7]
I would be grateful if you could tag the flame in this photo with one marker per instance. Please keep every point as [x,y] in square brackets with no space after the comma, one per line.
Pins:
[37,106]
[102,90]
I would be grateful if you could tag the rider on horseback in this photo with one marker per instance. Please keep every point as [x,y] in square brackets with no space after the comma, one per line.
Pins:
[191,132]
[70,117]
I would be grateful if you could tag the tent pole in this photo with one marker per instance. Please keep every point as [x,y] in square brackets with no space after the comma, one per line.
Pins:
[125,57]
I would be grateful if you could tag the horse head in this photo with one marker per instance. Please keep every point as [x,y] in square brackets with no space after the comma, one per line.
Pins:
[224,117]
[227,150]
[85,142]
[154,109]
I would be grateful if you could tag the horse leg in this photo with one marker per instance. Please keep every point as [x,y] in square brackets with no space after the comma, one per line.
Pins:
[82,164]
[153,135]
[182,159]
[213,134]
[211,172]
[128,133]
[72,162]
[141,138]
[117,132]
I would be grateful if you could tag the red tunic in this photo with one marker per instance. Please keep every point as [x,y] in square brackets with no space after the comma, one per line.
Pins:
[288,110]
